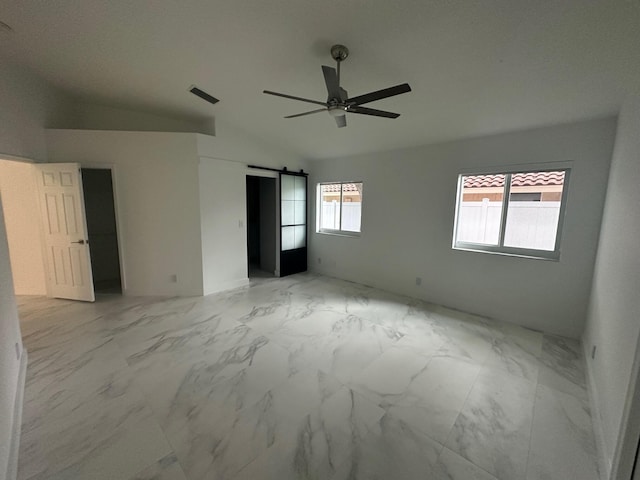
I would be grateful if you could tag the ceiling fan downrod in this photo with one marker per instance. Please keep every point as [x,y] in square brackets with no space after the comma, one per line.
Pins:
[339,53]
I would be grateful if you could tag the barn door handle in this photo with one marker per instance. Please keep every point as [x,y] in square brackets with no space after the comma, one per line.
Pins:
[81,242]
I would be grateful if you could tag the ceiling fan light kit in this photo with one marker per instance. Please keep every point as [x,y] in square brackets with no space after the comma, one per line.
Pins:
[338,103]
[336,111]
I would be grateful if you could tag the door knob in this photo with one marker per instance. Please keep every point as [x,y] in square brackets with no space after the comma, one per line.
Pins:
[81,242]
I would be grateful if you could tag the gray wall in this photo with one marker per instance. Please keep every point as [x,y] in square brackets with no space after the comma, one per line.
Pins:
[613,323]
[407,223]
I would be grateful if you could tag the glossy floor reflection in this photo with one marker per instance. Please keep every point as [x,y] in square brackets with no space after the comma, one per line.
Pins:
[305,377]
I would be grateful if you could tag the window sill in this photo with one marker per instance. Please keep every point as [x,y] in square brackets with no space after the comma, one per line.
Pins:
[339,233]
[530,254]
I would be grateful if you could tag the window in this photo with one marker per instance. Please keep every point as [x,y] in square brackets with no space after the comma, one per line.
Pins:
[340,207]
[516,213]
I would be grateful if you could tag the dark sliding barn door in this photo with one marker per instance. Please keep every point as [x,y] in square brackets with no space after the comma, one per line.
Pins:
[293,223]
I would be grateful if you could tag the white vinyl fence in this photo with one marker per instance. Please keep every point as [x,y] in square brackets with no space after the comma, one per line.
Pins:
[529,224]
[350,215]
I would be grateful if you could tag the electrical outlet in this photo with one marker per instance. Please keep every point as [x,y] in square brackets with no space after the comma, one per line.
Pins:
[418,281]
[173,278]
[593,352]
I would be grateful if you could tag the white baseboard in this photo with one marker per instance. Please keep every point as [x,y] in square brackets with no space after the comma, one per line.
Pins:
[221,287]
[604,463]
[12,467]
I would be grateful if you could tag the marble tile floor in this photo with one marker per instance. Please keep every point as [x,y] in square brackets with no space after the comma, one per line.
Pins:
[304,377]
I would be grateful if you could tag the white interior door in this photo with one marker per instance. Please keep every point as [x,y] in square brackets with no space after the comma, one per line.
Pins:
[65,231]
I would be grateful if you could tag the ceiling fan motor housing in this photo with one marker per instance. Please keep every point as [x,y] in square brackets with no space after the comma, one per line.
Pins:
[339,52]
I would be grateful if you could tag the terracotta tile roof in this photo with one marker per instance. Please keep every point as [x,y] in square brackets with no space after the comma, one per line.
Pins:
[517,179]
[335,187]
[476,181]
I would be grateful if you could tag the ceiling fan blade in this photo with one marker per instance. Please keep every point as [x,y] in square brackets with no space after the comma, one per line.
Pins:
[379,94]
[341,121]
[331,80]
[306,113]
[268,92]
[371,111]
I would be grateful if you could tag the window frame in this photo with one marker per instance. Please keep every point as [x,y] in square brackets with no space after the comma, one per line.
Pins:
[501,249]
[333,231]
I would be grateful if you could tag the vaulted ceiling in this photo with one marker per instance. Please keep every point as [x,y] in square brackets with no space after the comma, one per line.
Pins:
[476,67]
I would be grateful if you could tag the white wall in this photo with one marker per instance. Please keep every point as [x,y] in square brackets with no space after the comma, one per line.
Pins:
[157,203]
[223,218]
[407,223]
[236,145]
[91,116]
[27,105]
[613,319]
[10,340]
[22,214]
[223,170]
[179,205]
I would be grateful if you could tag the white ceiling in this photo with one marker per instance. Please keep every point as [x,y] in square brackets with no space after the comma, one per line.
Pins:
[476,67]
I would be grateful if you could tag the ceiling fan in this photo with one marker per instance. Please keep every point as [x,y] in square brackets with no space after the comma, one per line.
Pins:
[338,102]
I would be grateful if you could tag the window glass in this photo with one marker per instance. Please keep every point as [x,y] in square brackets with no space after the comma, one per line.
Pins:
[293,211]
[340,207]
[480,209]
[287,212]
[351,207]
[300,189]
[530,223]
[299,236]
[288,238]
[288,187]
[330,206]
[299,212]
[514,213]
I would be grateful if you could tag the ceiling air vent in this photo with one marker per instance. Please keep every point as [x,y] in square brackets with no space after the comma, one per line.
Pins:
[203,95]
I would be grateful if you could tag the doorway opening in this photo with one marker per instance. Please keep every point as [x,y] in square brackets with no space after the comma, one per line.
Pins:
[97,186]
[261,226]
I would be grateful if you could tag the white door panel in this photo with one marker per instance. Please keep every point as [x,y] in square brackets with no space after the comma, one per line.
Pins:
[65,231]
